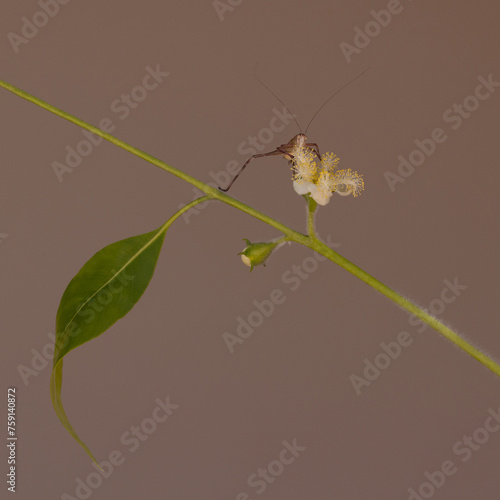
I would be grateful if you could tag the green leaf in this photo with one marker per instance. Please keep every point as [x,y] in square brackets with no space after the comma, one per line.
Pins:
[104,290]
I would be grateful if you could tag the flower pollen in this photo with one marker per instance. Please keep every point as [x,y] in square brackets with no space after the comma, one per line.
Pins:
[347,182]
[304,167]
[329,162]
[320,182]
[325,188]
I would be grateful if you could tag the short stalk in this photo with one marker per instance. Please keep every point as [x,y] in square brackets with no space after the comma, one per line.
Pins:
[311,209]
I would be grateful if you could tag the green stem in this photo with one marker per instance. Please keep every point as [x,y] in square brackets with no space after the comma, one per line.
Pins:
[331,254]
[311,209]
[310,241]
[208,190]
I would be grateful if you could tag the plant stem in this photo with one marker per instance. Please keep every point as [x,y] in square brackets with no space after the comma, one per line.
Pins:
[311,208]
[331,254]
[208,190]
[310,241]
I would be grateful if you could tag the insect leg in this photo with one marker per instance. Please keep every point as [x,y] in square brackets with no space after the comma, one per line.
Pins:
[260,155]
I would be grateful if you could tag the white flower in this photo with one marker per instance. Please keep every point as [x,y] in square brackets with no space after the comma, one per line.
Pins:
[302,186]
[323,189]
[321,182]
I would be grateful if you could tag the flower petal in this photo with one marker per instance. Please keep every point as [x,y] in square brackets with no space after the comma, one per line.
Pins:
[304,187]
[321,197]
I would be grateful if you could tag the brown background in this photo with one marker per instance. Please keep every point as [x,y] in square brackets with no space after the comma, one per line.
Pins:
[290,379]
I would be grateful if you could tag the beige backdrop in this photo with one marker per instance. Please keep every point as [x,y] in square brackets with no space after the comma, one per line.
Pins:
[286,415]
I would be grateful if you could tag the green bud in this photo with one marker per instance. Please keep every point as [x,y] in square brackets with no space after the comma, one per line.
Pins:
[257,253]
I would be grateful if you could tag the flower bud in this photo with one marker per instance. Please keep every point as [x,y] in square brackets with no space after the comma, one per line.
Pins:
[256,253]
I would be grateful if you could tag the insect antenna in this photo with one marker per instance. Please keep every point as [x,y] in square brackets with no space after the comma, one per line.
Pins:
[332,96]
[275,96]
